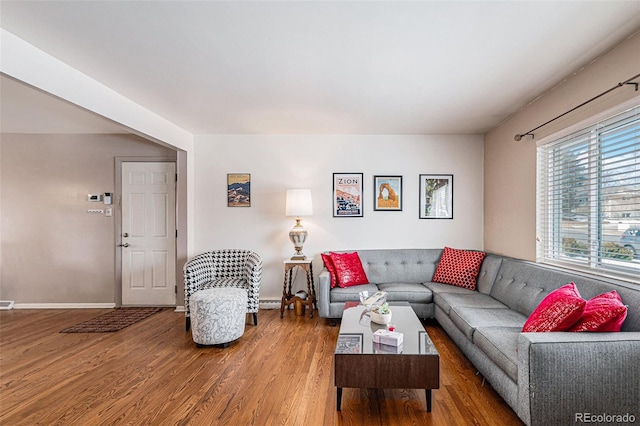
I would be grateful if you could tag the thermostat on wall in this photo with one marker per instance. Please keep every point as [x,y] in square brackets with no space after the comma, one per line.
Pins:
[94,197]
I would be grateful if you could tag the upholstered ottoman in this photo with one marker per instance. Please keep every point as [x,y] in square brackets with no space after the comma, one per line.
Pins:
[218,315]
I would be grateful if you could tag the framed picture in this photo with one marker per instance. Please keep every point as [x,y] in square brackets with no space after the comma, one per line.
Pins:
[436,196]
[347,195]
[349,343]
[425,345]
[387,193]
[238,190]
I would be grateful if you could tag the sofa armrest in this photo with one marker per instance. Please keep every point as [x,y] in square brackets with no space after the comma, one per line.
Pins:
[324,295]
[563,378]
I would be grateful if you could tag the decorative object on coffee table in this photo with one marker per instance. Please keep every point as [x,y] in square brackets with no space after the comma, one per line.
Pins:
[371,300]
[381,315]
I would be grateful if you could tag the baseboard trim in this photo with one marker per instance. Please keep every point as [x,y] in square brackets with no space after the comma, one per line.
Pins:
[64,305]
[270,303]
[264,304]
[6,305]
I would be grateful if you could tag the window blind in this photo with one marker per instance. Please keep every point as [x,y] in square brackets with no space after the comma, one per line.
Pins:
[588,197]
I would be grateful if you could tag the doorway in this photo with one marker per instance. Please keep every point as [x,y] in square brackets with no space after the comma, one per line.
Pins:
[148,233]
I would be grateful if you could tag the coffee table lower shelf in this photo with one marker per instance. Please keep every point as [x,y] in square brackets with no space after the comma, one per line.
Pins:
[373,371]
[339,399]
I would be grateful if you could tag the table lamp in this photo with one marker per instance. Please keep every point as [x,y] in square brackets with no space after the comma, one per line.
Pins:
[298,204]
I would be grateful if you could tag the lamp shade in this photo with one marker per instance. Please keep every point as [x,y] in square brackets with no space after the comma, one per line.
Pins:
[299,202]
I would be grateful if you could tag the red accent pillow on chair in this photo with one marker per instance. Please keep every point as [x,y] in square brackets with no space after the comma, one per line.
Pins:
[349,270]
[328,263]
[558,311]
[459,267]
[604,312]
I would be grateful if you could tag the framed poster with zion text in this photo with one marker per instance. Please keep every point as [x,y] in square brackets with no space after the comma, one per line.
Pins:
[238,190]
[347,195]
[387,193]
[436,196]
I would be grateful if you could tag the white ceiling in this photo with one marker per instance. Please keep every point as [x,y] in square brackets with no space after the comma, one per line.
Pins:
[322,67]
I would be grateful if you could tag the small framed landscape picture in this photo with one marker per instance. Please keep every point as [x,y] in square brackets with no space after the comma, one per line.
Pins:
[238,190]
[387,193]
[436,196]
[347,195]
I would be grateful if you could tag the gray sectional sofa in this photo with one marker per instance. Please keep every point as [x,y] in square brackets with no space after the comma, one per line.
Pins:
[547,378]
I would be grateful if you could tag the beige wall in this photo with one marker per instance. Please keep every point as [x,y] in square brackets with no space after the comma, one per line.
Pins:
[279,162]
[52,250]
[510,166]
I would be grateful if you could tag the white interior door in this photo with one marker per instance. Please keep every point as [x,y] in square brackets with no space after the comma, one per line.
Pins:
[148,234]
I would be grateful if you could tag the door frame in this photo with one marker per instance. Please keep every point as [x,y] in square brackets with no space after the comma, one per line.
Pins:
[181,241]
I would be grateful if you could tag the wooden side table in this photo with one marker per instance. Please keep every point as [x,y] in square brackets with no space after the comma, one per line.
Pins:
[287,297]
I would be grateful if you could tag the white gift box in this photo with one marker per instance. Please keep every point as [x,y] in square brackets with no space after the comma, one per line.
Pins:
[386,337]
[379,348]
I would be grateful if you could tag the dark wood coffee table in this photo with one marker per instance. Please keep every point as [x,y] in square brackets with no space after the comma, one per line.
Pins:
[361,363]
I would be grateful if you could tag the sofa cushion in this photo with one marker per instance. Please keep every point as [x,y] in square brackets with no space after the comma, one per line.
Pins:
[446,288]
[350,294]
[558,311]
[349,269]
[408,292]
[400,265]
[522,285]
[488,272]
[501,345]
[472,299]
[604,312]
[459,267]
[467,319]
[328,263]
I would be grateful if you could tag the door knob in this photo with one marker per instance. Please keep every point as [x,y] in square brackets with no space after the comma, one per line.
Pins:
[123,245]
[126,234]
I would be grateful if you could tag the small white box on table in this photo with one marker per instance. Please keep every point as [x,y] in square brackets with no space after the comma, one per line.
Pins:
[386,337]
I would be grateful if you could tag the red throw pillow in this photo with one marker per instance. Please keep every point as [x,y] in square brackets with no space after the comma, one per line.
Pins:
[604,312]
[459,267]
[558,311]
[349,269]
[328,263]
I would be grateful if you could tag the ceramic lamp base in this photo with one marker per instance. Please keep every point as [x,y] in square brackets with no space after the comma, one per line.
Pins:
[298,235]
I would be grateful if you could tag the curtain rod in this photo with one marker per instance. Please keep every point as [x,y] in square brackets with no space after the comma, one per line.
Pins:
[519,136]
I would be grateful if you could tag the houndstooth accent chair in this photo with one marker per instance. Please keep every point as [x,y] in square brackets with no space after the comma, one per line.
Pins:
[224,268]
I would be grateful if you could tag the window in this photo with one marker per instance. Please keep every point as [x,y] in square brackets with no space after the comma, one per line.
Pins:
[589,198]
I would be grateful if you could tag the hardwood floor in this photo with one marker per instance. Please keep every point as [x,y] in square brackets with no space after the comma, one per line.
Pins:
[280,372]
